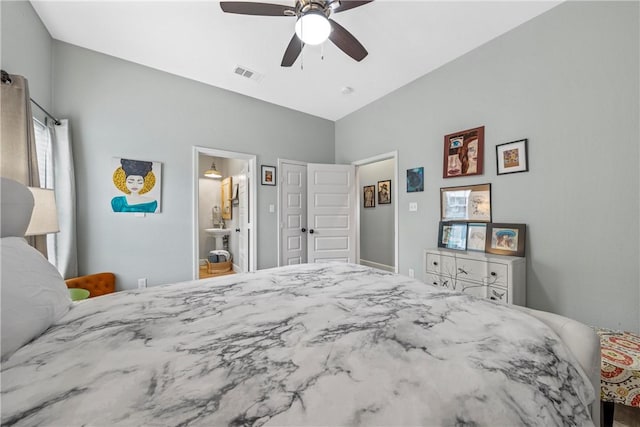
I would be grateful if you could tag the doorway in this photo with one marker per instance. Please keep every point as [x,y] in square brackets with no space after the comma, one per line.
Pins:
[296,198]
[224,212]
[378,221]
[316,207]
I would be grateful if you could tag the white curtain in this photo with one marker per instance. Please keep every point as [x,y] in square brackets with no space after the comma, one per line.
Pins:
[63,251]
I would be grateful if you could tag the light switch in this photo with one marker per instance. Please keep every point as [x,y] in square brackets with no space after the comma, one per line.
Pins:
[413,207]
[272,208]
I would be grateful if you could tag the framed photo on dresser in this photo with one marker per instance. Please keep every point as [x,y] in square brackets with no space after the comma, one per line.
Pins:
[466,203]
[506,239]
[476,236]
[452,235]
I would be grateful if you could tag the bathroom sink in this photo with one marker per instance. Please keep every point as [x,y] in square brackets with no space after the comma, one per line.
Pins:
[218,232]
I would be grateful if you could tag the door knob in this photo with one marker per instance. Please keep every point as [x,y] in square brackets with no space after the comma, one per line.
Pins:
[304,230]
[311,231]
[237,230]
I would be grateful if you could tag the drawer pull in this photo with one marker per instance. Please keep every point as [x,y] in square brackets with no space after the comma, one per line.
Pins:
[435,283]
[493,298]
[493,273]
[435,263]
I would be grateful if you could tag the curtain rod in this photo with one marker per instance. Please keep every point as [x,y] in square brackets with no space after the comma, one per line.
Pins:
[7,79]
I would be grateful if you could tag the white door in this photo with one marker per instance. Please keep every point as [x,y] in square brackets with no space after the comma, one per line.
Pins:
[293,214]
[243,222]
[331,209]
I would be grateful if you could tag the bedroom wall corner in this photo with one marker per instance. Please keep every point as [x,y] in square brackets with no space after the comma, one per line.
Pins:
[122,109]
[27,50]
[568,81]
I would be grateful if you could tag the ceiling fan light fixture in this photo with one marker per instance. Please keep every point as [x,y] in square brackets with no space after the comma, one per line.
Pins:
[313,28]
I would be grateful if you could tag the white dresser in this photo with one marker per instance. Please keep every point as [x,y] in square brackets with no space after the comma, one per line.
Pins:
[497,277]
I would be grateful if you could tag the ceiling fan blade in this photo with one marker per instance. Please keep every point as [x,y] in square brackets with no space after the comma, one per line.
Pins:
[292,52]
[261,9]
[346,42]
[350,4]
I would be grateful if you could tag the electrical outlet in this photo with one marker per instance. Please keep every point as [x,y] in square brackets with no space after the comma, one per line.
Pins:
[411,273]
[413,207]
[142,283]
[272,208]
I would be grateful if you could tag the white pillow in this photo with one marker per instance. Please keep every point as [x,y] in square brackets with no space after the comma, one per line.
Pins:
[33,295]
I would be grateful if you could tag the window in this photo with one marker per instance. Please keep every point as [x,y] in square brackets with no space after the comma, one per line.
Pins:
[44,154]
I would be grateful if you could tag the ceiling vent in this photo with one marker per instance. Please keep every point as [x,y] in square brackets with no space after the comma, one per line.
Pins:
[247,73]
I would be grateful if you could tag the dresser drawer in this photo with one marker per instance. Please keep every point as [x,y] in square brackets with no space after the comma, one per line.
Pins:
[433,263]
[497,274]
[498,294]
[471,269]
[441,264]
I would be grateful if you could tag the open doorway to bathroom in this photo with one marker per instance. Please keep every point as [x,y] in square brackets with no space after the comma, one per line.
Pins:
[224,212]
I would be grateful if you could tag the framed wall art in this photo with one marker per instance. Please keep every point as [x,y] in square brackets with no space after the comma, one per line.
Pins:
[511,157]
[415,180]
[452,235]
[476,236]
[137,185]
[384,192]
[463,153]
[268,174]
[506,239]
[369,196]
[225,199]
[466,203]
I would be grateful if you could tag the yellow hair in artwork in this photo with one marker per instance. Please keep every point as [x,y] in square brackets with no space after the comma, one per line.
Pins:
[120,181]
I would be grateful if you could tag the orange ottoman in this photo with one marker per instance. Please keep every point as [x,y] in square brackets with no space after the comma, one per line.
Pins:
[97,284]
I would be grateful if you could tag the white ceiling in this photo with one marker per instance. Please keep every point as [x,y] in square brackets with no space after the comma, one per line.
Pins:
[196,40]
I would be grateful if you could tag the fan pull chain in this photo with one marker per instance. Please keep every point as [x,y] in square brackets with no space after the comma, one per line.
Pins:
[322,51]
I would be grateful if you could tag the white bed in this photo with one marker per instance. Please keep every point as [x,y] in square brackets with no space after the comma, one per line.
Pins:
[336,344]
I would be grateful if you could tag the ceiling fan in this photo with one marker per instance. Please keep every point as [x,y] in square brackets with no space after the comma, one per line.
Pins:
[313,25]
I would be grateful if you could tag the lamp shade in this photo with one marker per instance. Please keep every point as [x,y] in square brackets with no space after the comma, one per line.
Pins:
[44,218]
[313,28]
[212,172]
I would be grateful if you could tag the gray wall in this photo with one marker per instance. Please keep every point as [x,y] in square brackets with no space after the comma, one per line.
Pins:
[209,195]
[26,50]
[567,81]
[117,108]
[377,224]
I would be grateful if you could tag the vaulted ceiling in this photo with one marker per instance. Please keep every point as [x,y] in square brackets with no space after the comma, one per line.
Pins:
[196,40]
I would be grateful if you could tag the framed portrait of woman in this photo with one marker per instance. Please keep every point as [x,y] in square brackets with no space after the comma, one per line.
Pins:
[463,153]
[136,186]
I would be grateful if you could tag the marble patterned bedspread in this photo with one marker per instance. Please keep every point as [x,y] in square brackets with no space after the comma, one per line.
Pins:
[319,344]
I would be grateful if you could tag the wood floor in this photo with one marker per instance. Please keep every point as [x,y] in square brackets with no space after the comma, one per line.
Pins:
[626,416]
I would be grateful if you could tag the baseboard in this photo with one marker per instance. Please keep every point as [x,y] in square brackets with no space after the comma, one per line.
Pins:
[378,265]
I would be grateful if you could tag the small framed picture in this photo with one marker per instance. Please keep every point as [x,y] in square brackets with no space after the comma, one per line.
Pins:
[384,192]
[268,175]
[452,235]
[369,196]
[415,180]
[476,236]
[511,157]
[463,153]
[506,239]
